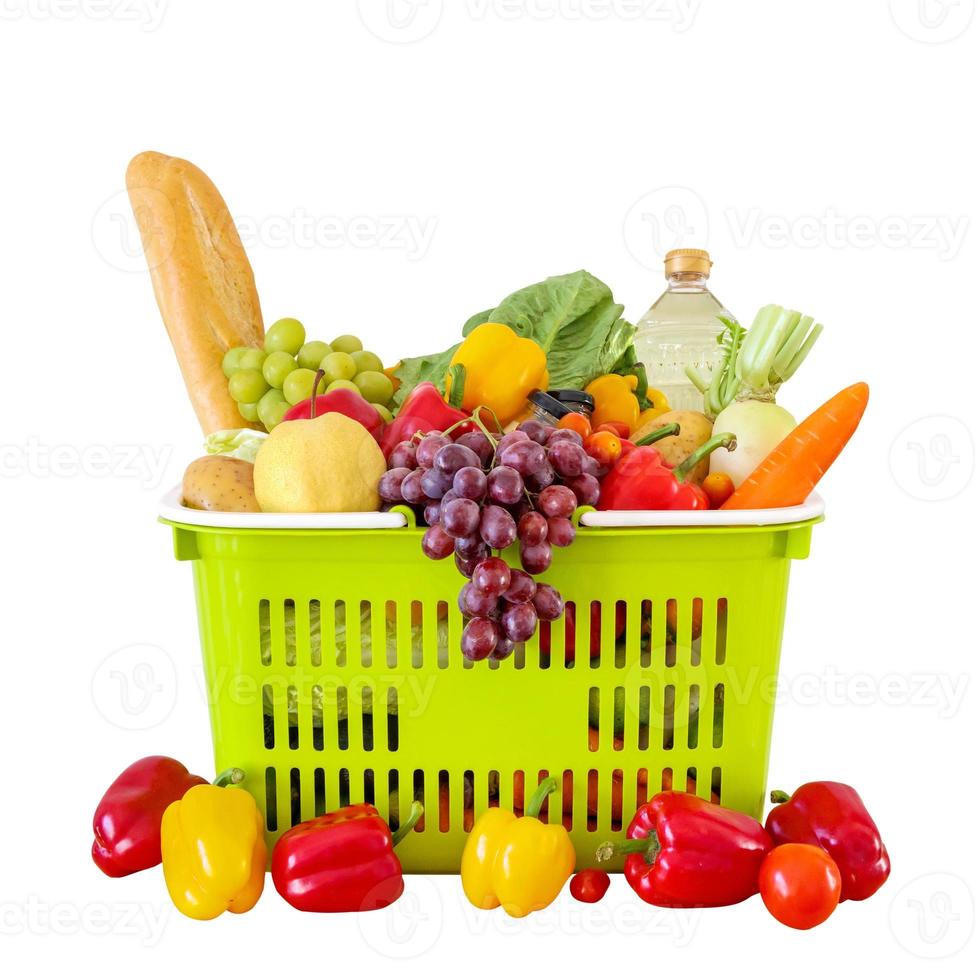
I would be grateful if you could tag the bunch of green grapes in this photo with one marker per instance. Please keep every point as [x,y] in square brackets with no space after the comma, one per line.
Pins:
[266,382]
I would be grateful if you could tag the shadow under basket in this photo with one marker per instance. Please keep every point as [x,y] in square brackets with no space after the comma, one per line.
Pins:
[334,672]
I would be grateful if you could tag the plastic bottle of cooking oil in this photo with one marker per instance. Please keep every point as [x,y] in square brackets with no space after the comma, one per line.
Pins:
[681,328]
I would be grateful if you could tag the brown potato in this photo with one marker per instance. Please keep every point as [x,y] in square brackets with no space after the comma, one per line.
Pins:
[219,483]
[695,431]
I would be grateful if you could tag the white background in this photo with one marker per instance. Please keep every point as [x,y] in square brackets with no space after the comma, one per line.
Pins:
[825,152]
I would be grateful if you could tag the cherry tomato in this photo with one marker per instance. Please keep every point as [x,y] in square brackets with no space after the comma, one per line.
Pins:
[577,422]
[620,429]
[800,884]
[589,886]
[604,447]
[718,487]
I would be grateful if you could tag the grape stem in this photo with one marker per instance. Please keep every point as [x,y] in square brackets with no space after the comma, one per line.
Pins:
[475,417]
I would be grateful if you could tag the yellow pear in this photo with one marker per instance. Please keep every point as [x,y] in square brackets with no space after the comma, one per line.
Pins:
[330,464]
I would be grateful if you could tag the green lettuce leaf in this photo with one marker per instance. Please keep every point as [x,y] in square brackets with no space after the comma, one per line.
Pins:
[237,443]
[414,370]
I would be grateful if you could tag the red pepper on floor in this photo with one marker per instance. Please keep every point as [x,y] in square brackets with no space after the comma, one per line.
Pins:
[832,816]
[343,861]
[344,401]
[424,409]
[127,819]
[641,480]
[684,852]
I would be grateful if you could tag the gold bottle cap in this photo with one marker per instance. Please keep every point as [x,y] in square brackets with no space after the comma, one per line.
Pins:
[691,260]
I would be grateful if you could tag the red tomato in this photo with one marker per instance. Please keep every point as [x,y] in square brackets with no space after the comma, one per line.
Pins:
[620,429]
[800,884]
[718,487]
[604,447]
[589,886]
[577,422]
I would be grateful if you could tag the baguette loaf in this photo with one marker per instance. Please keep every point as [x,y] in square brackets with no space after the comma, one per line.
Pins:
[201,277]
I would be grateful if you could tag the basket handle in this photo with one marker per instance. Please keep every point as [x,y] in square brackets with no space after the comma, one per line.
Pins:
[185,544]
[407,513]
[798,542]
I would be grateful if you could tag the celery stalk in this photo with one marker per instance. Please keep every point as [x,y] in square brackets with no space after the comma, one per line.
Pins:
[732,382]
[760,366]
[696,378]
[764,321]
[790,346]
[802,352]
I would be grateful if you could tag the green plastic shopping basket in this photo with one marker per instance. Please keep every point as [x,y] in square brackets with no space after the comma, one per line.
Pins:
[334,672]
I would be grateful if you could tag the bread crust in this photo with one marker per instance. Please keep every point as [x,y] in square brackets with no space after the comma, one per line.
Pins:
[201,276]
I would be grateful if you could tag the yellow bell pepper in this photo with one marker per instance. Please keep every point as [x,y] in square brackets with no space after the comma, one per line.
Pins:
[519,863]
[214,853]
[500,370]
[658,406]
[615,400]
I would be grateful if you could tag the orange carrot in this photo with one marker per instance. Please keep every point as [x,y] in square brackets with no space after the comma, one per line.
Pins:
[788,474]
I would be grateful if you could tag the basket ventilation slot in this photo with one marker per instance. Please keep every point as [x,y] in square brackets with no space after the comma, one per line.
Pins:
[721,631]
[418,794]
[468,800]
[289,631]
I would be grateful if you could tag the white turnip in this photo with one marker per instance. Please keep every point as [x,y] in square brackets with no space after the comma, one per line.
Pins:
[759,426]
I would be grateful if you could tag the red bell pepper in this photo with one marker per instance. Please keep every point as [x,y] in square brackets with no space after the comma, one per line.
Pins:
[343,861]
[684,852]
[424,410]
[832,816]
[344,401]
[641,480]
[127,819]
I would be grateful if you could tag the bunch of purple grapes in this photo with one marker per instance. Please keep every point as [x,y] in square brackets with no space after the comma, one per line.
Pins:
[478,496]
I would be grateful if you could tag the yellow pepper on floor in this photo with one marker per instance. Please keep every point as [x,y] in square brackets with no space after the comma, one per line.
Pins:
[213,848]
[519,863]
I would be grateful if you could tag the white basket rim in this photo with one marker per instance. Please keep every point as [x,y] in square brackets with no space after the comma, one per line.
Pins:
[172,510]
